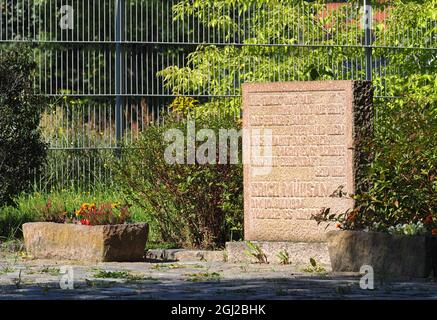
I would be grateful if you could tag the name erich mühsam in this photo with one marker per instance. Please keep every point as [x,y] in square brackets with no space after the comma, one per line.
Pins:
[188,310]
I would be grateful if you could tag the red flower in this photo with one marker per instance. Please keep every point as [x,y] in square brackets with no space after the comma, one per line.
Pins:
[429,219]
[85,222]
[434,232]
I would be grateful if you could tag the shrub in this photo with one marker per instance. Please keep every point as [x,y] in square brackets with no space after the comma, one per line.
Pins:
[11,220]
[402,176]
[190,204]
[21,150]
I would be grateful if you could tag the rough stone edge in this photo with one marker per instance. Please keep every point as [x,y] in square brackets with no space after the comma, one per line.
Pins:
[112,254]
[28,226]
[101,230]
[429,243]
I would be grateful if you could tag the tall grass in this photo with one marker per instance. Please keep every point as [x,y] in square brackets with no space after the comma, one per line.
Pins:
[11,220]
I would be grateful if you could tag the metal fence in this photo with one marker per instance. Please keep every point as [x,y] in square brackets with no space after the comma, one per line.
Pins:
[100,62]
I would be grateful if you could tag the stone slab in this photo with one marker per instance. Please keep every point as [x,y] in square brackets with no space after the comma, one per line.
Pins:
[388,255]
[299,253]
[123,242]
[316,149]
[186,255]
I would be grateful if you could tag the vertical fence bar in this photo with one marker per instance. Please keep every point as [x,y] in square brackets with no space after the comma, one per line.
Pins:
[119,26]
[367,25]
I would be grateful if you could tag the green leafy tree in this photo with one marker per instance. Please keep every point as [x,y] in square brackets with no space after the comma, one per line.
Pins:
[300,40]
[21,150]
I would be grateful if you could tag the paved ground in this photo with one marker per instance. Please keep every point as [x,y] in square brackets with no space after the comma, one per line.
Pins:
[22,278]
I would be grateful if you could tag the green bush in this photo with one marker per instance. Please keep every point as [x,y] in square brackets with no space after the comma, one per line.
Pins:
[22,151]
[404,171]
[11,220]
[196,205]
[403,174]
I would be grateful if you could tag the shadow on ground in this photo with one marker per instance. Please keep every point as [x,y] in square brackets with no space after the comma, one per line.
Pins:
[162,287]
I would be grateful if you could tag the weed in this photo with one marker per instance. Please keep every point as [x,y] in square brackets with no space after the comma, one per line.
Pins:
[160,266]
[254,251]
[51,271]
[96,283]
[29,270]
[225,256]
[103,274]
[203,276]
[314,267]
[6,269]
[283,257]
[195,266]
[12,245]
[18,281]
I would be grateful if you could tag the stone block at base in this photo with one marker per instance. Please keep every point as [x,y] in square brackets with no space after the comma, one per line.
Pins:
[123,242]
[388,255]
[299,253]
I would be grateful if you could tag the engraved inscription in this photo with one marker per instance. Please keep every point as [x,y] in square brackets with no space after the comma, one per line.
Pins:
[313,151]
[309,134]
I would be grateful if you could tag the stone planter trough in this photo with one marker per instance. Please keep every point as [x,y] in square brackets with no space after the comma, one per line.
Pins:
[122,242]
[388,255]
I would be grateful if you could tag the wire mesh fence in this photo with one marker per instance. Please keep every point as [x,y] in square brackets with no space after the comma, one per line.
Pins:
[111,68]
[216,23]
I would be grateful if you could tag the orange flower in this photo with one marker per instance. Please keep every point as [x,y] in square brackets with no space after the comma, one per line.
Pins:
[338,225]
[434,232]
